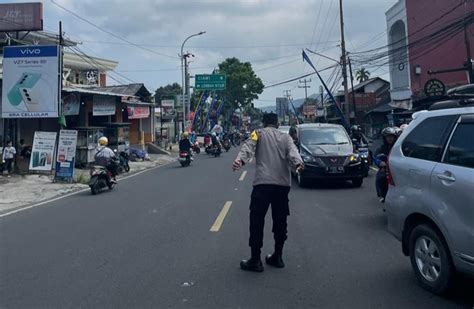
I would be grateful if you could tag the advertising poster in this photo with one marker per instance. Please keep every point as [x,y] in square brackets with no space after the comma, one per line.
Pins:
[30,82]
[103,106]
[167,109]
[137,112]
[43,151]
[71,104]
[66,156]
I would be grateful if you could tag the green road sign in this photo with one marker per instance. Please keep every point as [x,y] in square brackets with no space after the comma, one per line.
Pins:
[210,82]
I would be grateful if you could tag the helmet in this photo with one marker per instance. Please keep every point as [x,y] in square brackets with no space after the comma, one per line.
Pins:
[103,141]
[356,128]
[389,131]
[213,134]
[185,134]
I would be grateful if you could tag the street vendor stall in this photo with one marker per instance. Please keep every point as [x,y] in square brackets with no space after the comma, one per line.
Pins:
[87,138]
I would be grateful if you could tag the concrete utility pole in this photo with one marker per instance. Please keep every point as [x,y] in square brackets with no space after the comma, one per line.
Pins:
[305,81]
[183,76]
[344,65]
[354,107]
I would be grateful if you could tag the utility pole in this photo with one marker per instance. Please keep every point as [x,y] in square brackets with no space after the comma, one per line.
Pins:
[306,86]
[344,65]
[354,107]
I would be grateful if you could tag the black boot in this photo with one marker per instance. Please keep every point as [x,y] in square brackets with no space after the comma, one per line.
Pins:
[276,259]
[254,264]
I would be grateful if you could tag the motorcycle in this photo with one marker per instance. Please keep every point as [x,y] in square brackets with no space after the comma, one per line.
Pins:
[366,158]
[226,144]
[215,150]
[123,160]
[184,158]
[101,177]
[196,148]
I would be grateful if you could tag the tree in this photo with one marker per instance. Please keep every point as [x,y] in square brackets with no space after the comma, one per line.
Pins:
[167,91]
[243,86]
[362,75]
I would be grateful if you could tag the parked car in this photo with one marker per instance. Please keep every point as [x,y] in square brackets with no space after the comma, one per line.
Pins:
[328,153]
[430,201]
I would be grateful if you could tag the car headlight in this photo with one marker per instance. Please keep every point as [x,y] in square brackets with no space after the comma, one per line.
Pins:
[307,157]
[354,158]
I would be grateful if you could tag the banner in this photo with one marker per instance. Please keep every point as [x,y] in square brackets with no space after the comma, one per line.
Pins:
[21,17]
[66,157]
[137,112]
[71,104]
[44,144]
[30,82]
[103,106]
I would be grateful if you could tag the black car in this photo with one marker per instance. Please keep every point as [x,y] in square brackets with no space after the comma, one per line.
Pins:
[328,153]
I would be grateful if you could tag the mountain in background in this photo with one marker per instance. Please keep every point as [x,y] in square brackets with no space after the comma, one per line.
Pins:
[297,103]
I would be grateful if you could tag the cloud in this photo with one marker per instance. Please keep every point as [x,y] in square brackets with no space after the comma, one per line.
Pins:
[248,29]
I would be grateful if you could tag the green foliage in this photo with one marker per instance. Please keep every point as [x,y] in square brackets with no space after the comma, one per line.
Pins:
[167,91]
[362,75]
[243,85]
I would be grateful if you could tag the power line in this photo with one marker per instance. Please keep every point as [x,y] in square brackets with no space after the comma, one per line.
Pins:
[110,33]
[297,78]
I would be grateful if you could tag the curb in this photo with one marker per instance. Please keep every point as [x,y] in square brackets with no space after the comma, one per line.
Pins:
[13,211]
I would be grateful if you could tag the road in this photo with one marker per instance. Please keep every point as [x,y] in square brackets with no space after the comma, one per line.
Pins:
[148,244]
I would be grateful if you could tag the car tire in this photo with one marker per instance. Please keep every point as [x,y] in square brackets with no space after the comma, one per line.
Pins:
[302,181]
[357,182]
[430,259]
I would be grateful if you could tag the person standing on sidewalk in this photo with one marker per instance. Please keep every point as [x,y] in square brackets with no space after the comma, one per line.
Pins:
[276,155]
[8,157]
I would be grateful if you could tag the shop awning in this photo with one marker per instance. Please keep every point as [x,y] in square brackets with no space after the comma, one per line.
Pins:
[89,91]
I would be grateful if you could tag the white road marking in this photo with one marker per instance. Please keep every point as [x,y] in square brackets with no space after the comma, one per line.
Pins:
[12,212]
[242,177]
[220,218]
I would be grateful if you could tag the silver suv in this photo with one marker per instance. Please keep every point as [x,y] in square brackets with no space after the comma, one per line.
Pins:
[430,201]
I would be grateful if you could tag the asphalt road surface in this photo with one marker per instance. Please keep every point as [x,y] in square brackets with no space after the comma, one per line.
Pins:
[173,238]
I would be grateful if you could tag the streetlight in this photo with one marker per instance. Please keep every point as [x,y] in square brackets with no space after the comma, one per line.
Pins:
[183,75]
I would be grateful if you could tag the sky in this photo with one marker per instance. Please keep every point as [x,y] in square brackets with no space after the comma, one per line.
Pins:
[145,36]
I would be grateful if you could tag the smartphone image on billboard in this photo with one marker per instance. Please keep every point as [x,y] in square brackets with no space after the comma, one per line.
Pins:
[27,80]
[32,98]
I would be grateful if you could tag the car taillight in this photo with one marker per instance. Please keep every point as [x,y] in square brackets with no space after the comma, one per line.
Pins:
[389,175]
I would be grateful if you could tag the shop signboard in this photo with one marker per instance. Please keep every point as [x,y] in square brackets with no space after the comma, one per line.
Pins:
[103,106]
[21,16]
[71,104]
[137,112]
[44,144]
[66,157]
[30,81]
[435,88]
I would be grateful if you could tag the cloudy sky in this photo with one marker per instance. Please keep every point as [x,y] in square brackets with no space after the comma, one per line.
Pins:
[268,33]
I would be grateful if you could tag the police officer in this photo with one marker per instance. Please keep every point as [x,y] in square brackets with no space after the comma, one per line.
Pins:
[276,155]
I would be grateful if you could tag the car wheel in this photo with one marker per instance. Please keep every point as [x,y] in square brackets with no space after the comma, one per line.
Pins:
[357,182]
[302,181]
[430,259]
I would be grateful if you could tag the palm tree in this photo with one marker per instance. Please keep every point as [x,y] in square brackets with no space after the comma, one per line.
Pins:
[362,75]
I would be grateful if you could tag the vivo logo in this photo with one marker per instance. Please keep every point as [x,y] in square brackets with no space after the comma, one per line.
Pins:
[28,51]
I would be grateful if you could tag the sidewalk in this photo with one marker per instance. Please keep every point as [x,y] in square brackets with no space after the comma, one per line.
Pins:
[19,191]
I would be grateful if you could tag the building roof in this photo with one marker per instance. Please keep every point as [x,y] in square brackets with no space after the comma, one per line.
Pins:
[137,89]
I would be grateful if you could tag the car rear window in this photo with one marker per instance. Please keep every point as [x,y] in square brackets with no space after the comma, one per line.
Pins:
[427,140]
[461,147]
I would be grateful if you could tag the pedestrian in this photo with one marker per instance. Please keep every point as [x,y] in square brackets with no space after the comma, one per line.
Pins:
[8,157]
[276,155]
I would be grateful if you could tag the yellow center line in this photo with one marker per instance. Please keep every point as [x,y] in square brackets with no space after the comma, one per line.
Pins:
[220,218]
[242,177]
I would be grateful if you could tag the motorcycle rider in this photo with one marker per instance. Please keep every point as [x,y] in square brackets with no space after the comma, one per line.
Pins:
[106,157]
[356,134]
[215,140]
[185,144]
[389,136]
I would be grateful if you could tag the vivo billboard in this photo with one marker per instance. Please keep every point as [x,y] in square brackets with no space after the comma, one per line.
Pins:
[21,16]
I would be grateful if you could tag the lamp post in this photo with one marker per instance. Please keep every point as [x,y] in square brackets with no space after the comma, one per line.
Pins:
[183,76]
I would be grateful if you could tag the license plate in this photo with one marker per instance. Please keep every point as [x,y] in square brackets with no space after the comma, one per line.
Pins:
[182,159]
[336,169]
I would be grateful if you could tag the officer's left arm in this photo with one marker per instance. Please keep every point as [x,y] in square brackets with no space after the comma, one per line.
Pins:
[248,148]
